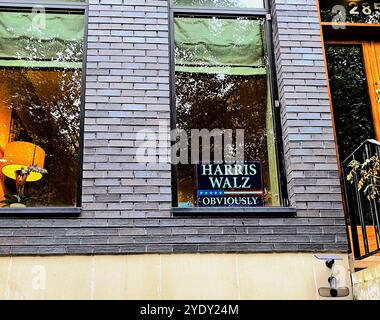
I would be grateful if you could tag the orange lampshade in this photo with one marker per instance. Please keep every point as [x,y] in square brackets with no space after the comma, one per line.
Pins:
[19,155]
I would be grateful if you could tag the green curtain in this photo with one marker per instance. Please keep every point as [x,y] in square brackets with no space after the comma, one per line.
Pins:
[227,46]
[28,41]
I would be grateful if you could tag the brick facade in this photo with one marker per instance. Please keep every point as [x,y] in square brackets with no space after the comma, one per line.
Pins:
[126,204]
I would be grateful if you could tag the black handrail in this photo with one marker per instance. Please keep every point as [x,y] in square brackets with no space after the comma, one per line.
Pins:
[363,214]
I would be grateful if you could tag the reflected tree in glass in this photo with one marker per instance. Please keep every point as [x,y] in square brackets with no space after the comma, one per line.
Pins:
[45,107]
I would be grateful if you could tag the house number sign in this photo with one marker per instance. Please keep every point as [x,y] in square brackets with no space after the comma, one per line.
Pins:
[354,11]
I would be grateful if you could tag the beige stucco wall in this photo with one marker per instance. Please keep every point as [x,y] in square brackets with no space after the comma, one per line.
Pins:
[366,283]
[162,276]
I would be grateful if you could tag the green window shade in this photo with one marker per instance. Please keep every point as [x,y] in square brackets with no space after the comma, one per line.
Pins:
[31,40]
[226,46]
[221,3]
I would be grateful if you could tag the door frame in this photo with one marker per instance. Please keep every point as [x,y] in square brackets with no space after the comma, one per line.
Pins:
[330,33]
[372,67]
[372,73]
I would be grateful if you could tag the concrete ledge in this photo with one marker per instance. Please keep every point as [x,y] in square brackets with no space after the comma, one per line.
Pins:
[366,283]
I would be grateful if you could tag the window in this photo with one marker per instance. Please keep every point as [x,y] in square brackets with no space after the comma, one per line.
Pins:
[41,58]
[350,97]
[222,82]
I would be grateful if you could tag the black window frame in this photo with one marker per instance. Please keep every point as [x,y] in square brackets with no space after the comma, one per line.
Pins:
[56,6]
[263,13]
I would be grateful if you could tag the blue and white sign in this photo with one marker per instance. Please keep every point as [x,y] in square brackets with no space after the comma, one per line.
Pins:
[225,184]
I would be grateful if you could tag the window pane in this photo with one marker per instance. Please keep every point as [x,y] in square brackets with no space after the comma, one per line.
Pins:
[222,83]
[350,99]
[221,3]
[40,85]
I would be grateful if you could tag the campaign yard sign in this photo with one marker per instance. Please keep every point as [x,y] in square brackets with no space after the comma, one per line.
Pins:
[230,184]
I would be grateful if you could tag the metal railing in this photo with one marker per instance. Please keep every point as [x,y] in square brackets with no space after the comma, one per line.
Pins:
[363,214]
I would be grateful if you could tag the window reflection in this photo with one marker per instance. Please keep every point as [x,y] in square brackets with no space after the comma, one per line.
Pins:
[349,94]
[40,98]
[44,110]
[222,83]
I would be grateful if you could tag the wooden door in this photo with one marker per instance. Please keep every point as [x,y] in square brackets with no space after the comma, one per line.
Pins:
[371,53]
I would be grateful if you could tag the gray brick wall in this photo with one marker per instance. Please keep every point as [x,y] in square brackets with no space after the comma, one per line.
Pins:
[126,204]
[127,91]
[310,154]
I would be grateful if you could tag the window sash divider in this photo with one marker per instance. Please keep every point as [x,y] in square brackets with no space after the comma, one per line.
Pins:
[49,5]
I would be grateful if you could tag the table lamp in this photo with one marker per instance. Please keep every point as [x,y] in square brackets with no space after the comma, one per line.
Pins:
[19,155]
